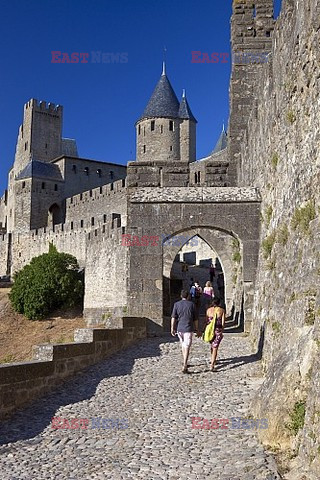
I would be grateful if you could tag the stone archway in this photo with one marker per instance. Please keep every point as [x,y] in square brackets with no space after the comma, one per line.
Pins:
[224,247]
[54,215]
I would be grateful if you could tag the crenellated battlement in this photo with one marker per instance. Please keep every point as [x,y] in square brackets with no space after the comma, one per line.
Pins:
[42,106]
[97,193]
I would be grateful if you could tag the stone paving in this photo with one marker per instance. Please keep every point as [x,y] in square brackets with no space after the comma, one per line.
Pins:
[144,385]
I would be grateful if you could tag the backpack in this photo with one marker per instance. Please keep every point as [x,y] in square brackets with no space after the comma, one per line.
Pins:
[197,292]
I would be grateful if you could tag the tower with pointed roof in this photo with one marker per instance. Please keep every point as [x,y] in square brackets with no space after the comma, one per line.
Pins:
[166,131]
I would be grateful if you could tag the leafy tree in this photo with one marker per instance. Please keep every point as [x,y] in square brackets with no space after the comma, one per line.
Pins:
[51,280]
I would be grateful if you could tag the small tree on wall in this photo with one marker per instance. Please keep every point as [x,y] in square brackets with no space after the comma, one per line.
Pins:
[51,280]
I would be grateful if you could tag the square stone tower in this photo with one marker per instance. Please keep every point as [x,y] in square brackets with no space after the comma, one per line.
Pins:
[252,25]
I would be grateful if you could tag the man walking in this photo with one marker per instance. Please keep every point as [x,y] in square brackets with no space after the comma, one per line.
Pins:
[184,323]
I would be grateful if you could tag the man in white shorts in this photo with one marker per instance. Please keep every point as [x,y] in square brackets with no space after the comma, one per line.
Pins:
[184,323]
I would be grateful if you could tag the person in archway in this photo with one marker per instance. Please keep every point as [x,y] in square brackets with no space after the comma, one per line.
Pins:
[184,323]
[196,293]
[208,294]
[215,313]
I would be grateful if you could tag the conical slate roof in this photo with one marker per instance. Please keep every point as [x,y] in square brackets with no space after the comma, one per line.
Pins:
[184,109]
[221,143]
[163,101]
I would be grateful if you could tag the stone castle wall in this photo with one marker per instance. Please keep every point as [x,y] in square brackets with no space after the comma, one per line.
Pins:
[281,156]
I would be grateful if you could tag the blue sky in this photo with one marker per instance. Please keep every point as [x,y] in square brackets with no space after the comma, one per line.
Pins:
[102,101]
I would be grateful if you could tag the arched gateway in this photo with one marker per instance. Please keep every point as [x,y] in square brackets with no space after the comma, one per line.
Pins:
[226,218]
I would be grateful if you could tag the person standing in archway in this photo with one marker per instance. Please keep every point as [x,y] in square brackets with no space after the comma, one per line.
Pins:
[184,323]
[215,313]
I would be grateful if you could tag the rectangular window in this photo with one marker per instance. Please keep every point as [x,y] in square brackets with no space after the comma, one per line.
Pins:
[170,125]
[144,149]
[152,125]
[71,225]
[43,185]
[139,130]
[81,223]
[55,187]
[104,218]
[92,221]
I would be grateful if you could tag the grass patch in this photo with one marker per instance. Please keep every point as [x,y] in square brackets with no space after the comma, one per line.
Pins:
[268,214]
[283,235]
[236,257]
[8,359]
[271,265]
[297,417]
[310,315]
[276,327]
[303,216]
[291,117]
[268,244]
[274,161]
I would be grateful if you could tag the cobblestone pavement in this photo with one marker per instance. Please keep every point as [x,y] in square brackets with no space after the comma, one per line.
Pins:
[144,385]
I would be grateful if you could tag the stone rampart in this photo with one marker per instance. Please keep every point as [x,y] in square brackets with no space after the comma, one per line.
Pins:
[22,383]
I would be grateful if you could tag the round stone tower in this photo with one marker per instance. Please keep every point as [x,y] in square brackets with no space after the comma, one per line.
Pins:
[166,131]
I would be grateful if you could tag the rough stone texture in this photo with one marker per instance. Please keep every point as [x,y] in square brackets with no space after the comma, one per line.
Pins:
[280,155]
[22,383]
[143,384]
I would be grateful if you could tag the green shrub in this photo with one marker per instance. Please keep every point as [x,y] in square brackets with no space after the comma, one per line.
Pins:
[297,417]
[303,216]
[267,245]
[49,281]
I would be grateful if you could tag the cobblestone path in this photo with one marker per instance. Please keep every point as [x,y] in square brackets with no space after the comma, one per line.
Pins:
[144,385]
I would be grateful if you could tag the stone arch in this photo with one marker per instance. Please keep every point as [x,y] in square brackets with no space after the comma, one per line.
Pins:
[225,244]
[54,215]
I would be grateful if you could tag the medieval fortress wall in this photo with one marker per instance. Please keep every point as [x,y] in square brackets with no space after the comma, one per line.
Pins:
[280,154]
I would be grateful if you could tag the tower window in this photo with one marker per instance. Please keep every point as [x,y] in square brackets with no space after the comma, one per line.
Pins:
[152,125]
[161,129]
[170,148]
[104,218]
[74,168]
[90,193]
[81,223]
[71,225]
[268,33]
[99,172]
[170,125]
[144,130]
[139,129]
[123,183]
[23,184]
[26,145]
[144,149]
[55,187]
[80,196]
[100,190]
[92,221]
[198,177]
[195,177]
[86,170]
[43,185]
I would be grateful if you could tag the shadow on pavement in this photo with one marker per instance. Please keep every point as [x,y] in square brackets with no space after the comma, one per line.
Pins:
[32,420]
